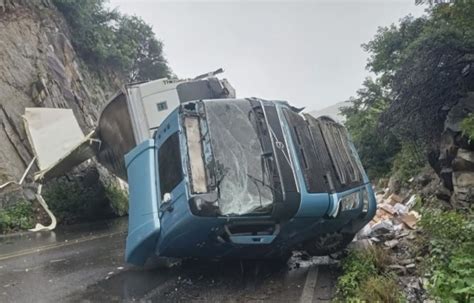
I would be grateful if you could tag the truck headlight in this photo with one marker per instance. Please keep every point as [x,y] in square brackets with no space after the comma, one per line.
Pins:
[350,201]
[365,200]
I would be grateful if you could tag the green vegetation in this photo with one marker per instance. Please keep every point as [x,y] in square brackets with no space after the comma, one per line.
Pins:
[118,199]
[121,43]
[449,241]
[408,162]
[467,126]
[375,149]
[72,201]
[365,278]
[423,66]
[17,217]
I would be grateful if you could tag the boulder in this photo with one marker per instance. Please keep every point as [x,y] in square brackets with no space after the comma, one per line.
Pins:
[10,195]
[464,160]
[442,193]
[423,179]
[463,182]
[458,113]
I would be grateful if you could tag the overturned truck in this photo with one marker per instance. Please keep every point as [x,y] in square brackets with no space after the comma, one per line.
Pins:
[214,176]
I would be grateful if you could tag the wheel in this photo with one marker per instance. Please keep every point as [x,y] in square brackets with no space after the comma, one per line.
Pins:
[329,243]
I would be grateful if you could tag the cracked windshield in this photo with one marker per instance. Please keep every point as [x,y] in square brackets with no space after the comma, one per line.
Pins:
[243,183]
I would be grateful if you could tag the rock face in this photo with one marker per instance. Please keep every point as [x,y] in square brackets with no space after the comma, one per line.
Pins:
[456,155]
[39,68]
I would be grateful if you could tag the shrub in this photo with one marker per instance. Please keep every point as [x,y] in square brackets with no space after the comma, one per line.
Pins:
[118,200]
[72,201]
[408,162]
[467,127]
[17,217]
[449,237]
[379,288]
[365,278]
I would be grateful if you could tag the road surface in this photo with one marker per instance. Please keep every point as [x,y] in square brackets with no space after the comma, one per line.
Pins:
[84,263]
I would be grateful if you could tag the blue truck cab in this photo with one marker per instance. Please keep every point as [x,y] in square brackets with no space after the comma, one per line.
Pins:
[244,178]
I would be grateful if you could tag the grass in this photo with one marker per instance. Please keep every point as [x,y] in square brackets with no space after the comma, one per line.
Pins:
[365,278]
[19,216]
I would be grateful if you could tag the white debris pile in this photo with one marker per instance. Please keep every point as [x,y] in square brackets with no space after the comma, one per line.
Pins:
[393,218]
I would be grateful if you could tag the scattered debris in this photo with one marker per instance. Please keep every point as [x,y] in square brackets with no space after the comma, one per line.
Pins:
[381,228]
[391,243]
[406,261]
[409,220]
[411,202]
[400,208]
[361,244]
[392,216]
[393,199]
[398,268]
[394,228]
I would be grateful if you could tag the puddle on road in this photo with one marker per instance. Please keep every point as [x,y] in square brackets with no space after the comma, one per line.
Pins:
[62,234]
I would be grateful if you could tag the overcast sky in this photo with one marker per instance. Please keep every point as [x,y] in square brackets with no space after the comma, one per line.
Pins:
[307,53]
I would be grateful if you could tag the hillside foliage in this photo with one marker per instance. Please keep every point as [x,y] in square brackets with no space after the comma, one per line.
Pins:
[105,38]
[449,238]
[376,150]
[423,67]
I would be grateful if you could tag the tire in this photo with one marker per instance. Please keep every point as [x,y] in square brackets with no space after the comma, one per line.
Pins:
[329,243]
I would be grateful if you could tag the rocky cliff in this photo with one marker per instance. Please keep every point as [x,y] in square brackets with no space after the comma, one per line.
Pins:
[39,68]
[455,161]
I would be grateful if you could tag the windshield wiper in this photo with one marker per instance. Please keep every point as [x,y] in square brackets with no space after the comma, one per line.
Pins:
[256,180]
[218,182]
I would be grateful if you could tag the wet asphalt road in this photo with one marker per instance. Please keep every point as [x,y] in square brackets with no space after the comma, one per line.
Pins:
[84,263]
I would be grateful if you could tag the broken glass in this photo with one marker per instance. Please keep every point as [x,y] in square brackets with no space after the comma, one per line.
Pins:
[243,184]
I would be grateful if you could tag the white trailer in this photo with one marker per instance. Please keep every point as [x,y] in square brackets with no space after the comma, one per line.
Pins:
[130,117]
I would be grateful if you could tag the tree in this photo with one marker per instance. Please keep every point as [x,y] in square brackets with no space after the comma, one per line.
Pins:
[376,149]
[136,40]
[428,65]
[106,38]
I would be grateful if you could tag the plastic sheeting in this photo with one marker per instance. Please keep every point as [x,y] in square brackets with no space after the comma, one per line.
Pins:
[244,186]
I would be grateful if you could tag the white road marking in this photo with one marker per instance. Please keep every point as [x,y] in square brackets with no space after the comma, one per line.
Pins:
[309,286]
